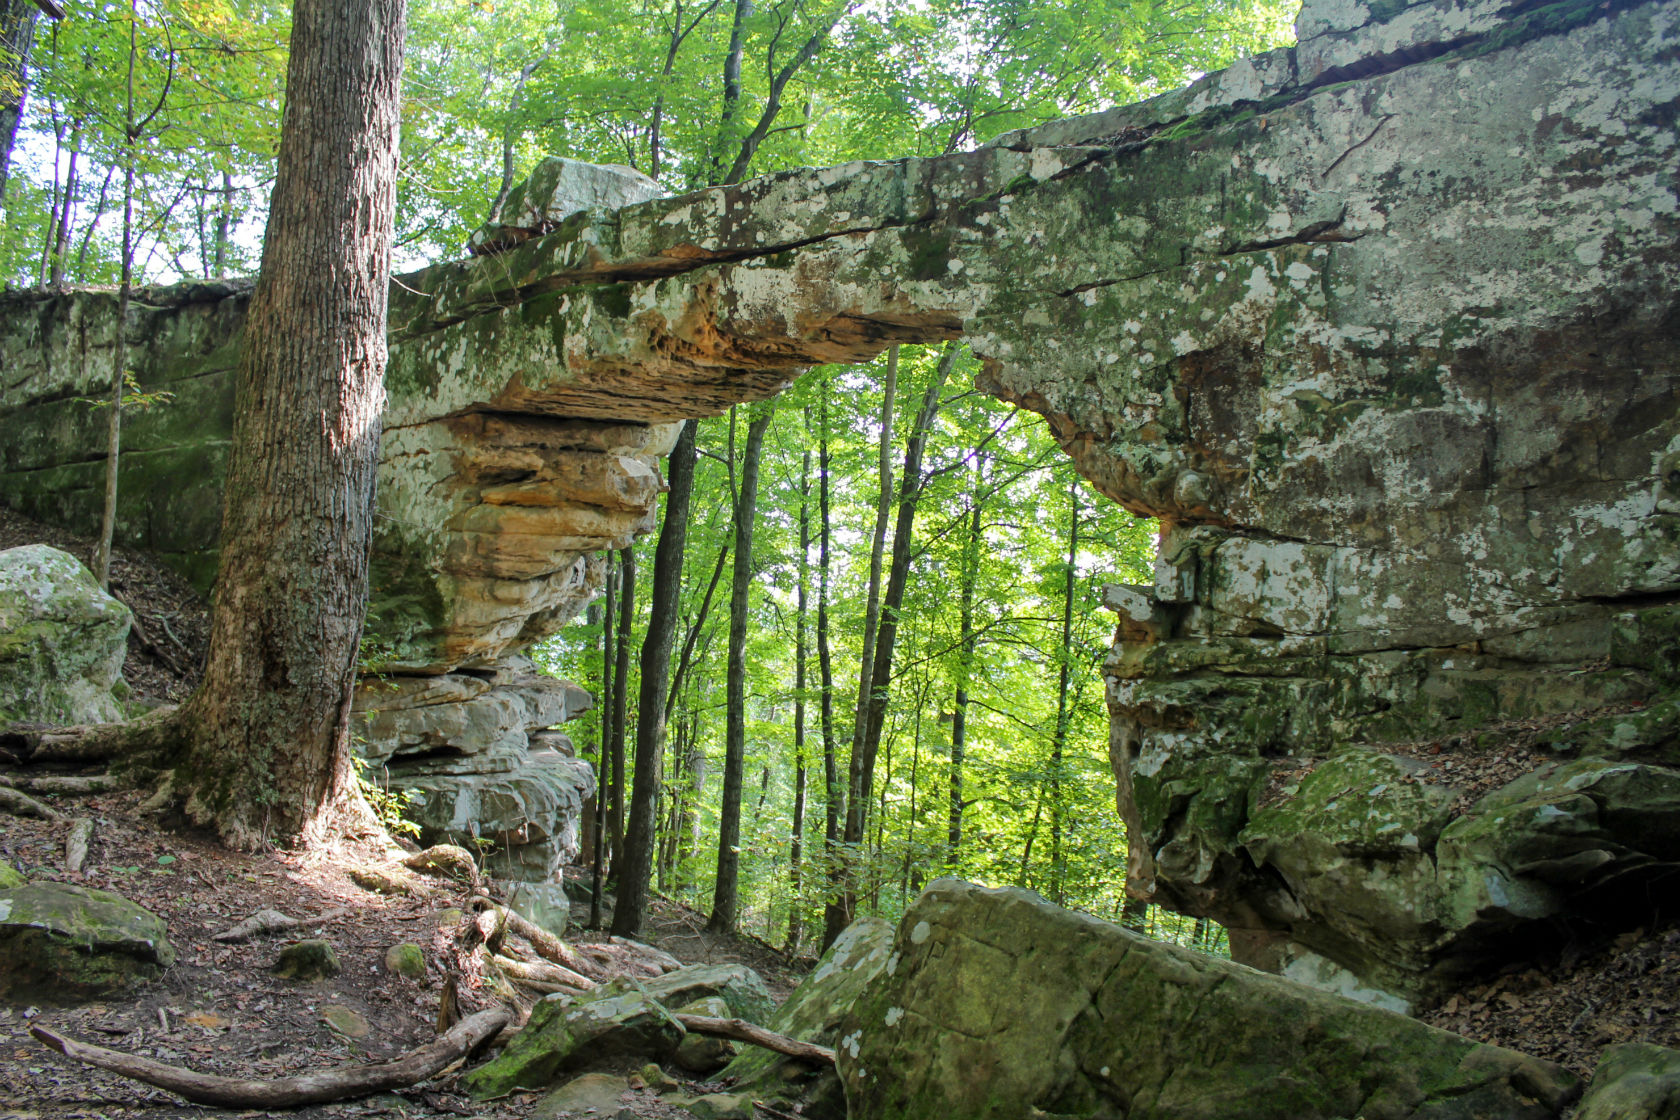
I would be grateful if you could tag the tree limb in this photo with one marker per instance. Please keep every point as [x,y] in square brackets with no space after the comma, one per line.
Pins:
[545,973]
[23,805]
[545,943]
[319,1087]
[744,1031]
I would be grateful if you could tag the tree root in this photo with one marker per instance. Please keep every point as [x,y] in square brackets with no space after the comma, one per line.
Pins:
[76,844]
[96,742]
[546,974]
[546,944]
[21,804]
[319,1087]
[72,784]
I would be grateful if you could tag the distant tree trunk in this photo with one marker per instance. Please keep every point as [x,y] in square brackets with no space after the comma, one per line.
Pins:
[510,138]
[267,732]
[726,897]
[224,228]
[834,792]
[621,709]
[840,908]
[1134,914]
[1058,745]
[650,704]
[731,86]
[17,34]
[965,665]
[58,252]
[874,712]
[795,922]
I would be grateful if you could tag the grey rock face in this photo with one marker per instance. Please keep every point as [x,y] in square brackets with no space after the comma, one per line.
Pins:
[556,190]
[995,1004]
[62,640]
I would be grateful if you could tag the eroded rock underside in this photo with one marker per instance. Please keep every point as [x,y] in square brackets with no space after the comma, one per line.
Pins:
[1382,326]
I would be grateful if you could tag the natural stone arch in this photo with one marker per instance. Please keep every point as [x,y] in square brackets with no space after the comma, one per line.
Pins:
[1410,426]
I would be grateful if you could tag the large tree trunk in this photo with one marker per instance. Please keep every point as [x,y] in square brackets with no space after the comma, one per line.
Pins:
[266,744]
[650,708]
[726,895]
[17,32]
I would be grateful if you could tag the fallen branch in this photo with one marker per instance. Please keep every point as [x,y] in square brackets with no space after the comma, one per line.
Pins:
[62,783]
[319,1087]
[743,1031]
[545,943]
[445,859]
[543,973]
[76,844]
[272,921]
[21,804]
[95,742]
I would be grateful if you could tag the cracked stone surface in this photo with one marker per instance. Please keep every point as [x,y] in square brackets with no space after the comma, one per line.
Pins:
[995,1003]
[1382,327]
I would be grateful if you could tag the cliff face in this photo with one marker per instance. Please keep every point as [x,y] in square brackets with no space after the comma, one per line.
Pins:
[1382,326]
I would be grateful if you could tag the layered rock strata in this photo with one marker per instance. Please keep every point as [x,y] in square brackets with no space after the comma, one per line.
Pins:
[1382,326]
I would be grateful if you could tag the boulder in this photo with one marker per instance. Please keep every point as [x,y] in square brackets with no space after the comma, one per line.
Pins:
[564,1034]
[407,960]
[556,190]
[542,904]
[308,960]
[593,1095]
[62,640]
[68,944]
[996,1004]
[814,1013]
[1634,1081]
[740,988]
[704,1054]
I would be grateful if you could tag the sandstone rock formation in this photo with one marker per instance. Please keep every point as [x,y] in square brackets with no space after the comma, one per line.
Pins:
[62,640]
[995,1004]
[1382,326]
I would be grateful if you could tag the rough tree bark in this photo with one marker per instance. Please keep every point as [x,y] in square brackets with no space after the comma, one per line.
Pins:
[264,742]
[726,897]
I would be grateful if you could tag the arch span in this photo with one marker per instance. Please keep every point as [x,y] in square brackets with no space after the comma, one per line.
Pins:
[1383,327]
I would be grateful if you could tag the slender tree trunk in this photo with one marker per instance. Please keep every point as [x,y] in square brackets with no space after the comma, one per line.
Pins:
[834,792]
[603,749]
[795,870]
[510,136]
[17,34]
[840,909]
[119,358]
[731,86]
[650,705]
[59,253]
[874,711]
[726,897]
[621,711]
[267,751]
[965,666]
[224,228]
[1058,746]
[686,659]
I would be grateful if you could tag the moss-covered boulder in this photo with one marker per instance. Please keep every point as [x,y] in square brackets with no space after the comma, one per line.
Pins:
[62,640]
[67,944]
[814,1013]
[740,988]
[1634,1081]
[307,961]
[704,1054]
[564,1034]
[996,1004]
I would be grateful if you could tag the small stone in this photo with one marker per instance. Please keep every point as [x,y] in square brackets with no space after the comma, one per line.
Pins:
[720,1106]
[381,880]
[657,1079]
[449,917]
[344,1021]
[407,960]
[307,960]
[592,1094]
[10,877]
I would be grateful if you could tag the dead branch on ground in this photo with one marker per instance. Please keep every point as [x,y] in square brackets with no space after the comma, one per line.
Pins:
[319,1087]
[76,844]
[743,1031]
[21,804]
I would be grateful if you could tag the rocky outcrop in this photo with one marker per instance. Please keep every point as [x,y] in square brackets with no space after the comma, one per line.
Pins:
[62,640]
[1382,327]
[996,1004]
[65,944]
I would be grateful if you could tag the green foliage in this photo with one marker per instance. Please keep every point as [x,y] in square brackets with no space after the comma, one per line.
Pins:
[387,804]
[133,395]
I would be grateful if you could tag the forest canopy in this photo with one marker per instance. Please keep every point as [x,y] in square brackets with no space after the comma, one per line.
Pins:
[990,760]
